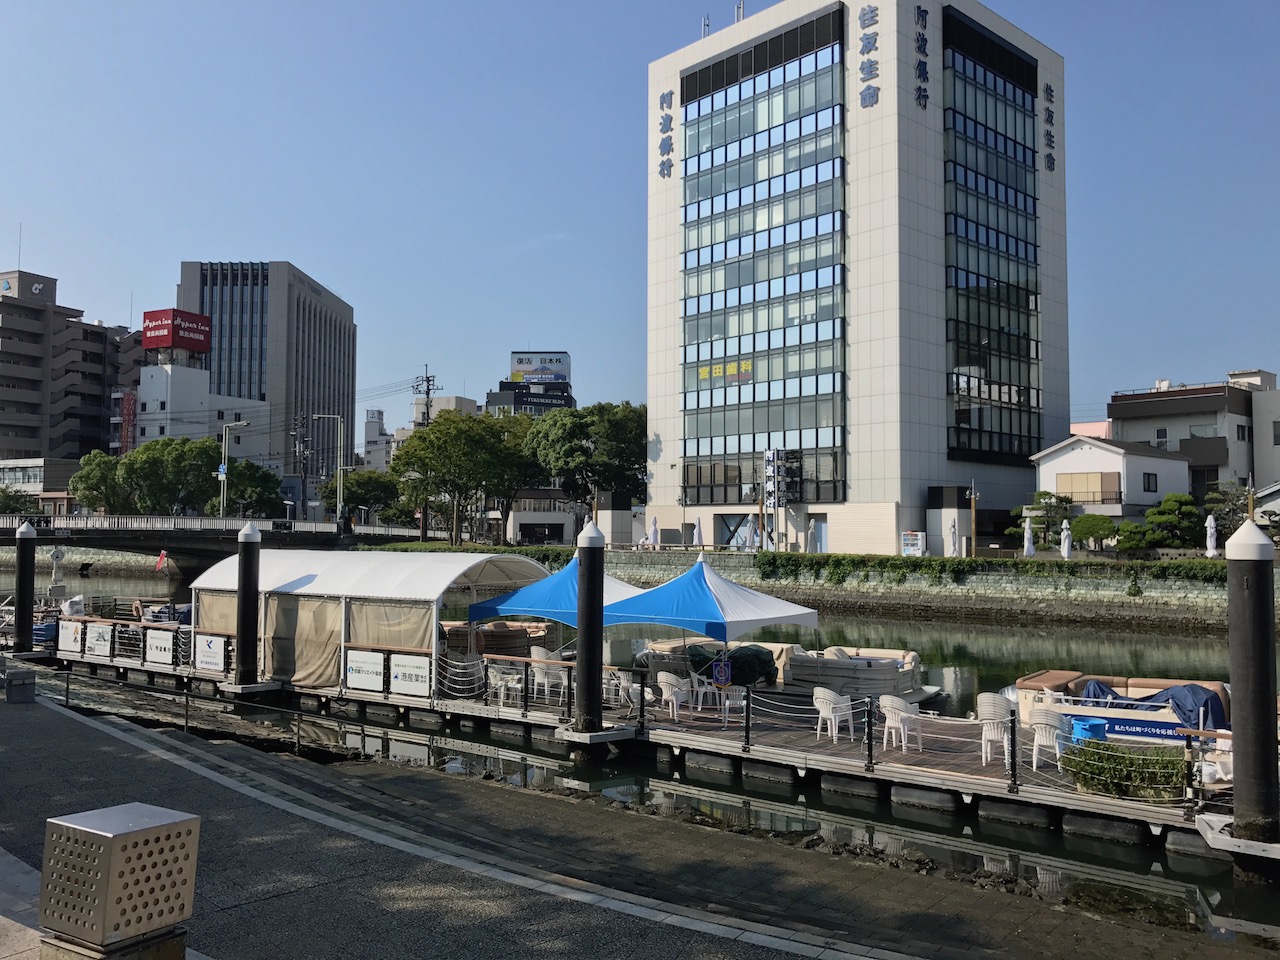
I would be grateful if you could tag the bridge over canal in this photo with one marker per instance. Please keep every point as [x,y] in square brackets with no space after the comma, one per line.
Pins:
[195,543]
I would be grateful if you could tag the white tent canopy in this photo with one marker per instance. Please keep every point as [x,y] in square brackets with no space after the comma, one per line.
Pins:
[374,574]
[316,602]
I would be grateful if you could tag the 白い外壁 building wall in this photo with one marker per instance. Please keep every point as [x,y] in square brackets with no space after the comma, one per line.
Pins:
[857,259]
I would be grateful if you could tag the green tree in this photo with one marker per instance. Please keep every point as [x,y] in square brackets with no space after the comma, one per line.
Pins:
[16,501]
[172,474]
[601,447]
[1229,505]
[1175,522]
[372,489]
[445,460]
[1093,529]
[97,484]
[1047,511]
[510,467]
[252,491]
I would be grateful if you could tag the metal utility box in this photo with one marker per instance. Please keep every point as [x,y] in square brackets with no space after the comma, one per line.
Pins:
[118,873]
[20,686]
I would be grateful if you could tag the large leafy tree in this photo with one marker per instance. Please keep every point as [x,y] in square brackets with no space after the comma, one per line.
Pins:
[510,467]
[172,474]
[252,491]
[16,501]
[362,488]
[600,447]
[97,484]
[442,460]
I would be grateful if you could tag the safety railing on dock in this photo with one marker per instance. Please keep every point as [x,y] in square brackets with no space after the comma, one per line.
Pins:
[998,749]
[143,644]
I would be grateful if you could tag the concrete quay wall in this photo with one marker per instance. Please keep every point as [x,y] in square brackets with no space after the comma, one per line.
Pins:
[1027,593]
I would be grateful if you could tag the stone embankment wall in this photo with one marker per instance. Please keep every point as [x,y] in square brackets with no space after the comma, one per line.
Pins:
[1030,593]
[105,562]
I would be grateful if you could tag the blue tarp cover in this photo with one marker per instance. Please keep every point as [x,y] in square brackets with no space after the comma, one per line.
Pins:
[1186,701]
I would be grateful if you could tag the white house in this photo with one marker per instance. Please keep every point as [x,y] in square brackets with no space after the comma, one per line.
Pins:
[1113,478]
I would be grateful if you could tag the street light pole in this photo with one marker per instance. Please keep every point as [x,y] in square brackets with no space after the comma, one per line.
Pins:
[222,474]
[342,432]
[973,517]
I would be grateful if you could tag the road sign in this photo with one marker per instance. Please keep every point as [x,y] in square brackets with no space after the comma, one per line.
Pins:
[222,469]
[722,673]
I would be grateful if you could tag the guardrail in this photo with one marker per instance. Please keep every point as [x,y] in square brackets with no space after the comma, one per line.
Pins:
[69,523]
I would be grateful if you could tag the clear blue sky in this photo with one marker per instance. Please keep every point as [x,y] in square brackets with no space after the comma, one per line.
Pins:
[471,177]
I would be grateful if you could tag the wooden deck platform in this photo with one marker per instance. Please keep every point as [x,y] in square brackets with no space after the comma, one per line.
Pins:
[950,759]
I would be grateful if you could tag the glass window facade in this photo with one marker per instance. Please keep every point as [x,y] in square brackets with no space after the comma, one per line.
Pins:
[763,265]
[992,247]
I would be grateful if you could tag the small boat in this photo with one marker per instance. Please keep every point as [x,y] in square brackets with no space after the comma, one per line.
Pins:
[1131,708]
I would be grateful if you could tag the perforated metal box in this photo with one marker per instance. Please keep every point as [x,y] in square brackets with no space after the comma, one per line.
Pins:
[118,873]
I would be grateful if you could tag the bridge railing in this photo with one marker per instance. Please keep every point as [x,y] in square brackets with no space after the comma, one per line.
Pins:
[147,524]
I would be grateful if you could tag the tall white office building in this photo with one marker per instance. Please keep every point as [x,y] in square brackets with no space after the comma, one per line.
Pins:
[857,273]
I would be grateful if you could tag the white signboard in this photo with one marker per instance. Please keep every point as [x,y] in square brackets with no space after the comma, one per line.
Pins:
[159,647]
[211,653]
[69,636]
[365,670]
[541,367]
[97,640]
[411,675]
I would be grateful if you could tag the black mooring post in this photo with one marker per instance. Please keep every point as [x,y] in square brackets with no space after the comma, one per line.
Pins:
[1252,641]
[247,606]
[24,596]
[589,715]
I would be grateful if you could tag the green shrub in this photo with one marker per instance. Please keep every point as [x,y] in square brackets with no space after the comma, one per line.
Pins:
[1119,770]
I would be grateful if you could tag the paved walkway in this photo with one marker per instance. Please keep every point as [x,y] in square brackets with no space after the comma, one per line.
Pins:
[299,860]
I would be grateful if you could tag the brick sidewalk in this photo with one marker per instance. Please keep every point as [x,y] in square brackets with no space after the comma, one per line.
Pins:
[271,880]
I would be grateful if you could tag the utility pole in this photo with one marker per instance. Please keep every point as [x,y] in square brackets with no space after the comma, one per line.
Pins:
[972,493]
[425,386]
[301,451]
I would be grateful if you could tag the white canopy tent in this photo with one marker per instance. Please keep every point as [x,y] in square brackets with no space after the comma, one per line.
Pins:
[314,603]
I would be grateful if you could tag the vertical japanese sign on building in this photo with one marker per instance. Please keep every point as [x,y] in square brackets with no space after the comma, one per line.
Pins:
[922,57]
[868,53]
[1050,132]
[666,127]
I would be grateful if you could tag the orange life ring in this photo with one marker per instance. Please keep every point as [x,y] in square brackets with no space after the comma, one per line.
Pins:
[137,609]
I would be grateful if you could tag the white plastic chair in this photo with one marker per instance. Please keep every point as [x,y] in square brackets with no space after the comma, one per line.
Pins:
[900,719]
[675,691]
[833,709]
[733,698]
[703,689]
[993,711]
[544,676]
[1050,729]
[504,682]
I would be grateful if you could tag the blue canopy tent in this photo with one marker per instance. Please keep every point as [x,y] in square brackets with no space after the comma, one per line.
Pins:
[703,602]
[553,598]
